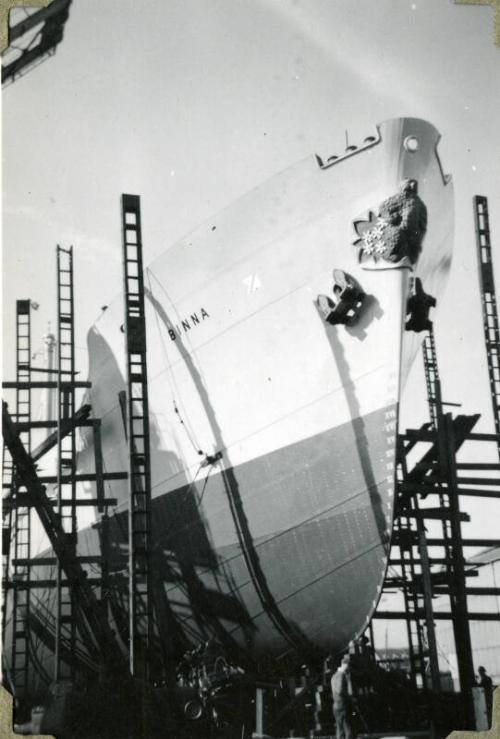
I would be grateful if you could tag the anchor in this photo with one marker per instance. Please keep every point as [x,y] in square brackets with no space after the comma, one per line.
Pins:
[348,297]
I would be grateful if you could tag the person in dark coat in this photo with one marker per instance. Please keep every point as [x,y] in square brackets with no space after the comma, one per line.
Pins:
[486,683]
[418,307]
[342,700]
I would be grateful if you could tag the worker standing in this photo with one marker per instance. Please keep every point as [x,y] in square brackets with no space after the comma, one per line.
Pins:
[486,683]
[342,700]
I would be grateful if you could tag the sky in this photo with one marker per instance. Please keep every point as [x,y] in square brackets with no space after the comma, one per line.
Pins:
[192,103]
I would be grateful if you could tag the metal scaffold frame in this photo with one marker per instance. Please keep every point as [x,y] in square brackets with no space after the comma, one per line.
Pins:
[8,524]
[19,515]
[66,453]
[489,305]
[436,474]
[141,621]
[34,39]
[80,616]
[93,627]
[410,538]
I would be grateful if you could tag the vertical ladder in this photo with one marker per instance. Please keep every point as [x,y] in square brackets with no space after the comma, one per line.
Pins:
[436,414]
[432,376]
[405,536]
[435,404]
[139,520]
[8,528]
[446,485]
[410,536]
[423,586]
[489,303]
[21,516]
[93,626]
[66,453]
[456,565]
[8,523]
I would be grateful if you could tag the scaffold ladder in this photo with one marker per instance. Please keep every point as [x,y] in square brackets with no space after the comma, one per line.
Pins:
[445,482]
[94,628]
[489,303]
[8,523]
[139,519]
[432,376]
[435,404]
[20,515]
[80,616]
[456,561]
[66,452]
[436,414]
[410,536]
[406,538]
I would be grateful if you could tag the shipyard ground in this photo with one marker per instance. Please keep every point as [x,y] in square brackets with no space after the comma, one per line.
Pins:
[133,710]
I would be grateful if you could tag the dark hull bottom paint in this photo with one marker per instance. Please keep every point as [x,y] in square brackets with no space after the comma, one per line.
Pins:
[272,593]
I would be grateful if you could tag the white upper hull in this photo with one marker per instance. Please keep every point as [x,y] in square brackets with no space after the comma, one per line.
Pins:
[251,369]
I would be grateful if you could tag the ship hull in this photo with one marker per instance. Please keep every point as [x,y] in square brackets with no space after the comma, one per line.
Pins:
[273,432]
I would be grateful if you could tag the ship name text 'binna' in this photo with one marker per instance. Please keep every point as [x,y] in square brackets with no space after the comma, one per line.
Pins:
[187,324]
